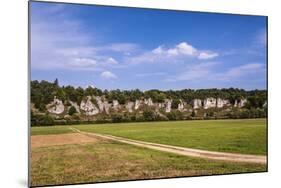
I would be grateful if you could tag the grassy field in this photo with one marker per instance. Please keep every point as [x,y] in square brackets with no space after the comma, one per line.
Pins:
[104,160]
[111,161]
[48,130]
[237,136]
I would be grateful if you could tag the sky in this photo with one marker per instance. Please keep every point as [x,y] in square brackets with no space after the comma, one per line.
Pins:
[129,48]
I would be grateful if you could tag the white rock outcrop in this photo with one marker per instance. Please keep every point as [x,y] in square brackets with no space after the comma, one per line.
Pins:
[181,106]
[161,105]
[235,103]
[103,104]
[226,102]
[107,107]
[210,103]
[56,106]
[168,105]
[197,103]
[148,102]
[89,108]
[138,104]
[129,106]
[222,102]
[99,103]
[242,103]
[115,105]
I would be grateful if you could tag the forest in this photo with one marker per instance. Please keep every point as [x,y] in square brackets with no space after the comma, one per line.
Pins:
[43,93]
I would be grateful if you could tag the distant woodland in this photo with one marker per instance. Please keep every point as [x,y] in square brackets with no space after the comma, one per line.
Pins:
[54,104]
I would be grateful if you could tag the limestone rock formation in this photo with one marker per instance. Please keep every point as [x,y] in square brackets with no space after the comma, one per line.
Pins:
[107,107]
[148,102]
[137,104]
[222,102]
[103,104]
[115,105]
[100,103]
[210,103]
[129,106]
[181,106]
[56,106]
[197,103]
[235,103]
[161,105]
[226,102]
[219,103]
[89,108]
[168,105]
[242,103]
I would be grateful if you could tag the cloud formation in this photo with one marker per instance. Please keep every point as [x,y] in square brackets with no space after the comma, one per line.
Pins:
[179,53]
[210,72]
[207,55]
[64,45]
[108,75]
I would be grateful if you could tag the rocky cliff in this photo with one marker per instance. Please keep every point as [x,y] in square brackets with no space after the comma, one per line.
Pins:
[93,105]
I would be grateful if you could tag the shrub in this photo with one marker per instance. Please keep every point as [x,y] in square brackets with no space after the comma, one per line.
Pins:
[193,114]
[72,110]
[175,103]
[47,120]
[149,115]
[175,115]
[116,118]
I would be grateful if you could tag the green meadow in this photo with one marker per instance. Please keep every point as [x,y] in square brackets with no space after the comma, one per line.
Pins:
[237,136]
[107,160]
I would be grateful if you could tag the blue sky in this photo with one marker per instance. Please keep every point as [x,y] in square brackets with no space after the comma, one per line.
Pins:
[128,48]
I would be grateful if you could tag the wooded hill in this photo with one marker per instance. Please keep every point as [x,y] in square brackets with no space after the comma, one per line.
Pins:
[53,104]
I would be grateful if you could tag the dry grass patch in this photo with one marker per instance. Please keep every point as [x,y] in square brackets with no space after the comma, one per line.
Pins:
[60,139]
[112,161]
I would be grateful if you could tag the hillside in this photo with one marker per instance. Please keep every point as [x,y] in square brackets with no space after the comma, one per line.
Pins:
[53,104]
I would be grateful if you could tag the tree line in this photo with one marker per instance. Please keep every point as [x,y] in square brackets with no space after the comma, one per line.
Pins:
[43,92]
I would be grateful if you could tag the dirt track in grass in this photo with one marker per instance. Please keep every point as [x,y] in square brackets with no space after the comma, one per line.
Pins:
[60,139]
[259,159]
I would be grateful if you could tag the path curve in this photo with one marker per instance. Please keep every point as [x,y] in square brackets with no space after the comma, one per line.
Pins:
[260,159]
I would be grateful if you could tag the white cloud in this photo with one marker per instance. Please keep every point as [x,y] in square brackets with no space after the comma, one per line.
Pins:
[84,62]
[195,72]
[241,71]
[182,48]
[121,47]
[62,44]
[210,71]
[159,50]
[186,49]
[150,74]
[112,61]
[179,53]
[207,55]
[108,75]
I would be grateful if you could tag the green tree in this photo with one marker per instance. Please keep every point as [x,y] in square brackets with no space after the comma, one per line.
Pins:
[149,115]
[72,110]
[56,82]
[175,103]
[193,114]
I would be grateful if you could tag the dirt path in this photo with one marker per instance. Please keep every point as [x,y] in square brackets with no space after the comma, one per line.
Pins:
[185,151]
